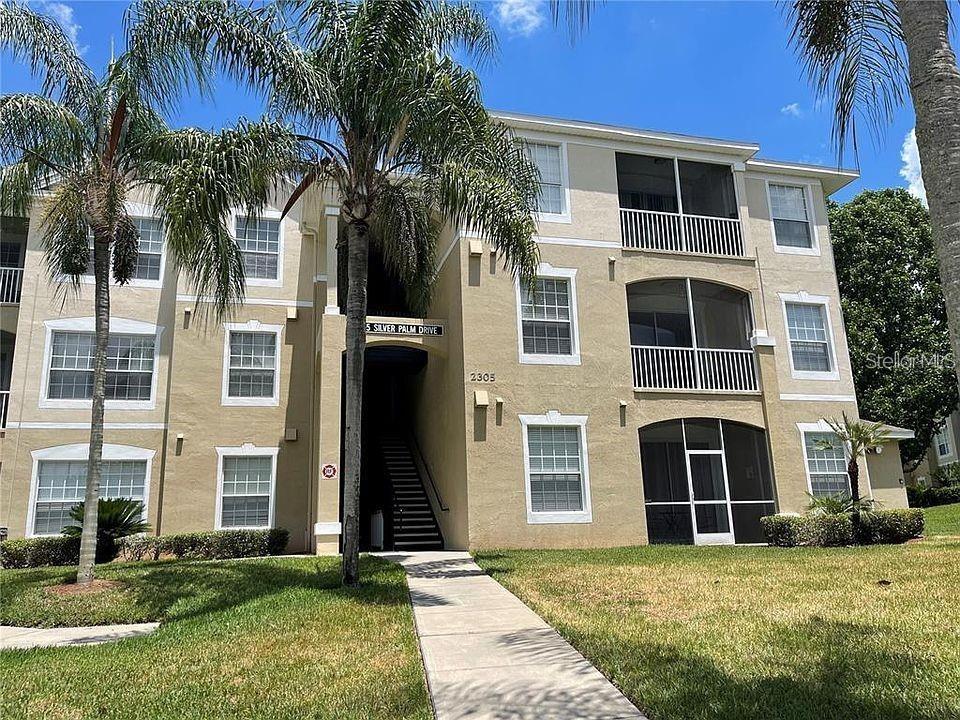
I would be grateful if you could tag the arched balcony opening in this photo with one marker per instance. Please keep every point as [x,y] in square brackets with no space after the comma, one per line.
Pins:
[691,335]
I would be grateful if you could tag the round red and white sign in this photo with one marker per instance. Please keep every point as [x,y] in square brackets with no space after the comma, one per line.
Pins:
[329,471]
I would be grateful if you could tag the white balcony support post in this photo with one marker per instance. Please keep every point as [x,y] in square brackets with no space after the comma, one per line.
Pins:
[693,336]
[676,179]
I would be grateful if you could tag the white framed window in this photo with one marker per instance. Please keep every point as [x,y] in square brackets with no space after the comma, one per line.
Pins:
[826,466]
[246,482]
[943,442]
[547,318]
[791,214]
[556,472]
[812,350]
[260,240]
[60,479]
[553,202]
[151,254]
[251,364]
[132,356]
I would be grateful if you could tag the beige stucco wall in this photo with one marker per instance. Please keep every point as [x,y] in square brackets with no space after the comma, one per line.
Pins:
[886,476]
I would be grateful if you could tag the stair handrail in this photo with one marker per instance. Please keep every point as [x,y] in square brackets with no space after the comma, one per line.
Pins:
[425,469]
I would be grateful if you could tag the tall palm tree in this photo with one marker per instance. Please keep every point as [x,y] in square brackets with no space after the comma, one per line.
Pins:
[78,149]
[400,134]
[856,437]
[867,55]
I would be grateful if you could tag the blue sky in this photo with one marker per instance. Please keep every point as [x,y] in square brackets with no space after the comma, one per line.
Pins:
[721,69]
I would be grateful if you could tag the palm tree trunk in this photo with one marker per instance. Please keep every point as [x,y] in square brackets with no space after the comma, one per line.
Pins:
[88,537]
[356,340]
[935,89]
[853,470]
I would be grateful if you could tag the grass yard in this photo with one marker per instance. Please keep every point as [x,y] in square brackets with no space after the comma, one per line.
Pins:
[943,520]
[740,633]
[271,638]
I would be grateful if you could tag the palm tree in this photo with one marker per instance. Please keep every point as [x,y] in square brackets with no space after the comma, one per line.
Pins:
[84,144]
[856,437]
[400,133]
[867,55]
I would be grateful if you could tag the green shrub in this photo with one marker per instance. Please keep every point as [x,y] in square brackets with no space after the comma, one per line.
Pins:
[40,552]
[841,504]
[116,518]
[933,496]
[782,530]
[946,476]
[812,530]
[214,545]
[889,526]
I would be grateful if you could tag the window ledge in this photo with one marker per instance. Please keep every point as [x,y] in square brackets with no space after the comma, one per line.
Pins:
[546,518]
[788,250]
[533,359]
[250,402]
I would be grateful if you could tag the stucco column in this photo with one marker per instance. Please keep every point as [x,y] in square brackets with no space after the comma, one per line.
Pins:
[330,345]
[331,215]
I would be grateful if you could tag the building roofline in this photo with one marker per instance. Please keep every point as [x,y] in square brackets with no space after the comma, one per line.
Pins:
[832,178]
[619,132]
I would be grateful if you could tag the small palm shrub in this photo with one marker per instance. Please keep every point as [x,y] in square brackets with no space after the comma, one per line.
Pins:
[116,518]
[946,476]
[841,504]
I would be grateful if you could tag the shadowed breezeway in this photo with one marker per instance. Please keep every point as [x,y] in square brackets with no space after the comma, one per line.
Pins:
[489,656]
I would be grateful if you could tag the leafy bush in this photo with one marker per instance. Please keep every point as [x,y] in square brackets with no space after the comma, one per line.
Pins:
[889,526]
[214,545]
[933,496]
[812,530]
[116,518]
[841,504]
[40,552]
[946,476]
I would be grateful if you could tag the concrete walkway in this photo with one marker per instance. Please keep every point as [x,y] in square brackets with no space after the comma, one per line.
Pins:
[490,657]
[22,638]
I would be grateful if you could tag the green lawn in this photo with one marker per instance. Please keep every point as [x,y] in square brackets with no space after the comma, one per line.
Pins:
[271,638]
[739,633]
[943,520]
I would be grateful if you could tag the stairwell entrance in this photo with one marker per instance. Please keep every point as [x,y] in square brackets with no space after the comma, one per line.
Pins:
[395,509]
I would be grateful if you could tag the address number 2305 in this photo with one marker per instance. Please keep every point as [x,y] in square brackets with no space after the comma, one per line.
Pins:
[486,377]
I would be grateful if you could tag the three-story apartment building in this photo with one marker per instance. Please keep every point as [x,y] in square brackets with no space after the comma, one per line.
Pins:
[665,381]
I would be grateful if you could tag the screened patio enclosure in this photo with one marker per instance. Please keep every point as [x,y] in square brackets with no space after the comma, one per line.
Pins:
[705,481]
[674,205]
[690,335]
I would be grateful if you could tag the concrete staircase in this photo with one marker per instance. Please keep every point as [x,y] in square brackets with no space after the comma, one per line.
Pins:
[414,524]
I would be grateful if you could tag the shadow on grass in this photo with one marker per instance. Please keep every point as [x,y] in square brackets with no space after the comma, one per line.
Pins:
[212,587]
[848,676]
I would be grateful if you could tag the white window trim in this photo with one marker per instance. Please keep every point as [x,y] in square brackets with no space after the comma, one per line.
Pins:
[545,139]
[805,298]
[81,451]
[249,326]
[247,449]
[139,210]
[951,438]
[807,188]
[822,426]
[553,417]
[268,215]
[547,271]
[118,325]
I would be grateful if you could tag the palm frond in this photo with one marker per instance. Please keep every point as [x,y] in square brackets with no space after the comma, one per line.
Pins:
[201,178]
[42,44]
[854,55]
[33,124]
[20,183]
[64,231]
[575,14]
[405,230]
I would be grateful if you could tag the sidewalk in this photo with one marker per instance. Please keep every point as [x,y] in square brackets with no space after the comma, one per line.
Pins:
[488,656]
[23,638]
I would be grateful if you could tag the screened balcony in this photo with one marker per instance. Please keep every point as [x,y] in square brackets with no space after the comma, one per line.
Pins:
[691,335]
[13,232]
[675,205]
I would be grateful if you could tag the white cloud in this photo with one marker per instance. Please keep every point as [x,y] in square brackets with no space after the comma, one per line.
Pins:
[910,171]
[63,14]
[520,17]
[793,110]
